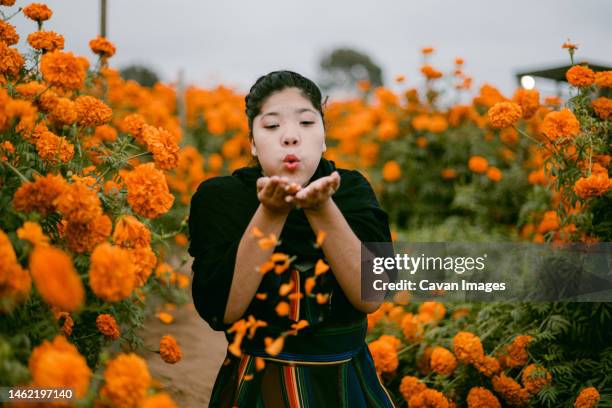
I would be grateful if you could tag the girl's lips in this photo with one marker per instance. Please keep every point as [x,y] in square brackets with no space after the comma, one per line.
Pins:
[291,165]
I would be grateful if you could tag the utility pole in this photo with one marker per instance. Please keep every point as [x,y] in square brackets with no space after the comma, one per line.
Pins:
[103,18]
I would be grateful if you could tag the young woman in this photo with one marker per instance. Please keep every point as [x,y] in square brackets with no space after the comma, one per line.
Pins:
[293,193]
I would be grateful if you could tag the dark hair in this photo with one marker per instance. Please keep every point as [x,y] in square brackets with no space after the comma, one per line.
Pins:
[277,81]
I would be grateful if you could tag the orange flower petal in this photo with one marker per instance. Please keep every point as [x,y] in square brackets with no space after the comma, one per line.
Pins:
[282,309]
[322,298]
[321,267]
[261,296]
[320,238]
[260,363]
[285,288]
[310,284]
[276,346]
[256,232]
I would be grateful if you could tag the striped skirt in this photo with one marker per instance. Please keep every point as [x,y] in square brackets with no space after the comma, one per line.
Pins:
[352,382]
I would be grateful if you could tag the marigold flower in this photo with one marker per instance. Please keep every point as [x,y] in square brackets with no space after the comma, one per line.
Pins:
[550,222]
[62,69]
[32,232]
[126,381]
[37,12]
[467,347]
[392,340]
[384,356]
[102,47]
[448,173]
[434,310]
[487,365]
[430,72]
[535,378]
[169,350]
[112,275]
[133,124]
[148,193]
[510,390]
[53,148]
[603,107]
[8,34]
[162,145]
[588,398]
[603,79]
[478,164]
[92,111]
[442,361]
[83,237]
[411,328]
[391,171]
[388,130]
[494,174]
[39,195]
[78,203]
[159,400]
[131,233]
[428,398]
[560,125]
[595,185]
[63,111]
[489,96]
[504,114]
[11,60]
[47,41]
[59,364]
[480,397]
[56,279]
[411,386]
[427,50]
[528,100]
[107,325]
[105,133]
[580,75]
[15,282]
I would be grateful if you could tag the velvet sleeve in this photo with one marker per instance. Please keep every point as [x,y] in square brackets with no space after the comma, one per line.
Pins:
[215,231]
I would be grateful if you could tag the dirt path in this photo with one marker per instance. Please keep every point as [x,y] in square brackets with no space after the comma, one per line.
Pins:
[190,380]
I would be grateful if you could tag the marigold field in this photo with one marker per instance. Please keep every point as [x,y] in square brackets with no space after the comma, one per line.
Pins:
[97,173]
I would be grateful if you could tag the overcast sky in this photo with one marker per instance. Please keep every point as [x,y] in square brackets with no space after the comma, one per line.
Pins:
[235,42]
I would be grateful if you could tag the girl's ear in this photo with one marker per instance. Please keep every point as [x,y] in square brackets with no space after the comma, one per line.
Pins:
[324,147]
[253,148]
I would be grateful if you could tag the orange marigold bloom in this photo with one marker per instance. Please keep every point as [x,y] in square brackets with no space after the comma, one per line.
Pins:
[494,174]
[39,195]
[427,50]
[53,148]
[169,350]
[580,75]
[528,100]
[56,279]
[435,310]
[388,130]
[37,12]
[102,47]
[550,222]
[162,145]
[515,354]
[510,390]
[603,107]
[83,237]
[588,398]
[148,193]
[47,41]
[487,365]
[62,69]
[144,260]
[411,328]
[392,340]
[11,60]
[30,89]
[32,232]
[428,399]
[106,133]
[603,79]
[107,325]
[467,347]
[92,111]
[430,72]
[159,400]
[59,364]
[504,114]
[134,124]
[489,96]
[126,381]
[79,203]
[480,397]
[63,111]
[8,34]
[112,275]
[384,356]
[411,386]
[15,282]
[535,378]
[448,173]
[559,125]
[391,171]
[442,361]
[131,233]
[478,164]
[597,184]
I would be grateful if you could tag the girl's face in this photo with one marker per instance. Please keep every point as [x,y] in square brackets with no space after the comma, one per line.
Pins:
[288,136]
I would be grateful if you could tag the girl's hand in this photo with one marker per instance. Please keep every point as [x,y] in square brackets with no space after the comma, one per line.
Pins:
[273,191]
[313,196]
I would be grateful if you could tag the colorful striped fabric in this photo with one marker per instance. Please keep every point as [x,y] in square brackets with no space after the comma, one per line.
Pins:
[352,383]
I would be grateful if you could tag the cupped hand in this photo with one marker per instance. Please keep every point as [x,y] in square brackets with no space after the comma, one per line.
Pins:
[317,193]
[273,191]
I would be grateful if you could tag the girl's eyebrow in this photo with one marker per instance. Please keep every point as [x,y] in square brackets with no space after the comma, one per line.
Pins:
[301,110]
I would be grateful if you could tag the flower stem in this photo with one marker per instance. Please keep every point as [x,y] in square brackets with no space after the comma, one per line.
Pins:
[17,172]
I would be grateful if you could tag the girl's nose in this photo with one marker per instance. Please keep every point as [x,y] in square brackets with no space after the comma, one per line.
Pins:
[290,140]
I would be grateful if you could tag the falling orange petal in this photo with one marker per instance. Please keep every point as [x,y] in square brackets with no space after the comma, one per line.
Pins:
[260,363]
[322,298]
[266,267]
[255,326]
[269,242]
[278,269]
[165,317]
[276,346]
[296,296]
[247,377]
[321,267]
[234,348]
[320,238]
[239,326]
[309,285]
[261,296]
[256,232]
[285,288]
[282,309]
[226,361]
[170,307]
[279,257]
[300,325]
